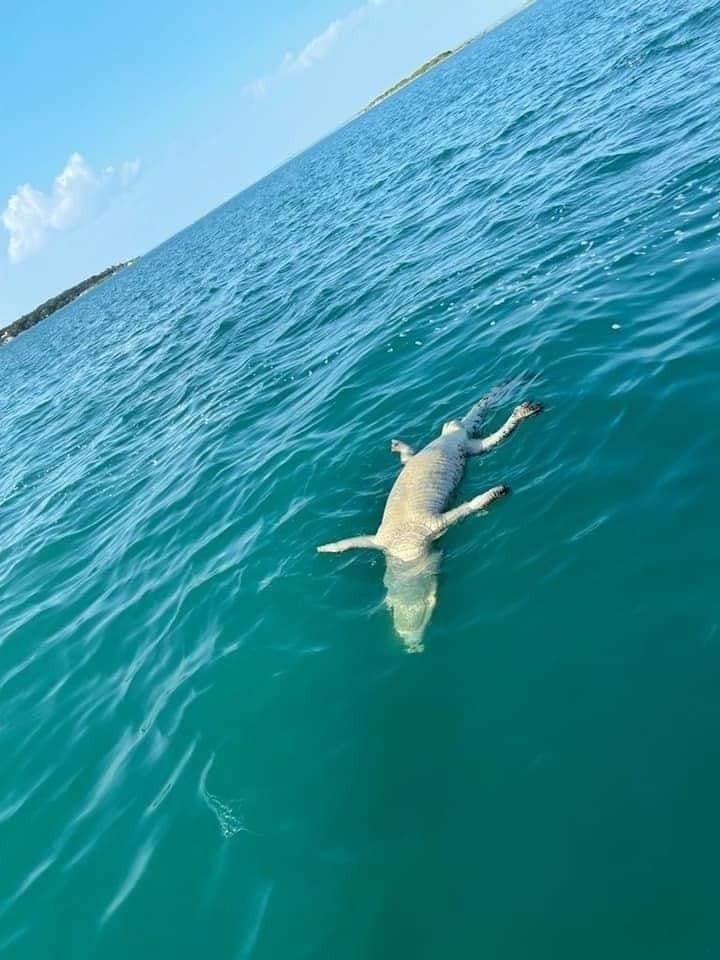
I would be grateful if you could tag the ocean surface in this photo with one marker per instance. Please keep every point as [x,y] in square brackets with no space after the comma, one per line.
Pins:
[211,742]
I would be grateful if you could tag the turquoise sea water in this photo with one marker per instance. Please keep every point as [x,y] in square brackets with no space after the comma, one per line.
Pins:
[211,743]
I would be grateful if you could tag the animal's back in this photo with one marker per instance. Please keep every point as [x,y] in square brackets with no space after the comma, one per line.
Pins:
[426,482]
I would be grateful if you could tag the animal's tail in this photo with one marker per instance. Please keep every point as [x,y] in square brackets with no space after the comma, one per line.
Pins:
[475,417]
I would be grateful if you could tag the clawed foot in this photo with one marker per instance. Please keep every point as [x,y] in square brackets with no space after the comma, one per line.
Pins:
[502,490]
[528,409]
[484,500]
[397,446]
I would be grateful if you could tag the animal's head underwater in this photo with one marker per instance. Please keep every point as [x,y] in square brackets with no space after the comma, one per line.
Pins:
[411,597]
[416,514]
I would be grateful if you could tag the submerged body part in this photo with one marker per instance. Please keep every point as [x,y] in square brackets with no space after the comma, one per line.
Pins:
[411,595]
[416,514]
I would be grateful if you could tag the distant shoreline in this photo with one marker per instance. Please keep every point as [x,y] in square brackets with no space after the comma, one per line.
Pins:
[55,303]
[438,59]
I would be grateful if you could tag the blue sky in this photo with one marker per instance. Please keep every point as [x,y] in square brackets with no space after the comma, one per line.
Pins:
[125,122]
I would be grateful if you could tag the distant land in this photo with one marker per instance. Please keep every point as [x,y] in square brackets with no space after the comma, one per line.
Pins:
[428,65]
[55,303]
[439,58]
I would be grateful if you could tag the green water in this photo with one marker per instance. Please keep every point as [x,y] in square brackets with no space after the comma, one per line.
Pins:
[211,742]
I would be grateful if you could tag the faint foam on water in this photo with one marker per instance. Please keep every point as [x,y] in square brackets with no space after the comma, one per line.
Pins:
[228,812]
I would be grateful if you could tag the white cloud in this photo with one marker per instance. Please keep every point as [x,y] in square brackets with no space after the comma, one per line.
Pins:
[78,193]
[318,47]
[315,49]
[258,88]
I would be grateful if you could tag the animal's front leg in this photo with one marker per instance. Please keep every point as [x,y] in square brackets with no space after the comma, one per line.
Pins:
[405,451]
[352,543]
[475,505]
[523,412]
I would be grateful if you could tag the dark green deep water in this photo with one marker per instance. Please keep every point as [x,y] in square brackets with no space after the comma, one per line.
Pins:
[211,744]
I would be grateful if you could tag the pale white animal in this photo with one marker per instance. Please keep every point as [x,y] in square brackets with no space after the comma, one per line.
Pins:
[415,514]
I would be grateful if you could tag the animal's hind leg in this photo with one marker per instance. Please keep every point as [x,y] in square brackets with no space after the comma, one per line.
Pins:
[525,410]
[405,451]
[483,500]
[474,418]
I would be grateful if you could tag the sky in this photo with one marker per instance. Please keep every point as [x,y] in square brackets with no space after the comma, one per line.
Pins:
[123,123]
